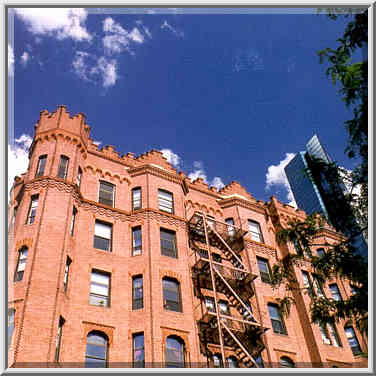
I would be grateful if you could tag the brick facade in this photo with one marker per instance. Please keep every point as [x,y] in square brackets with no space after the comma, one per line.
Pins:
[41,297]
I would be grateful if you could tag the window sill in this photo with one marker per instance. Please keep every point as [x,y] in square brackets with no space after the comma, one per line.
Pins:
[102,250]
[170,257]
[281,334]
[168,310]
[99,306]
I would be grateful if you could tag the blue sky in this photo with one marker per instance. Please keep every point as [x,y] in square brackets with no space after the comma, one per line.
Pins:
[227,96]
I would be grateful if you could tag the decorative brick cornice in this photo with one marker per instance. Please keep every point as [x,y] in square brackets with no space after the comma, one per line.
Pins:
[50,182]
[255,206]
[156,171]
[171,220]
[202,189]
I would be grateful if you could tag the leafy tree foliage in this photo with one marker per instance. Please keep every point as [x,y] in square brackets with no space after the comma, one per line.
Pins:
[340,260]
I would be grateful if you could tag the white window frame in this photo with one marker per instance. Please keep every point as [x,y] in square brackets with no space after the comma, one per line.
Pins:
[255,235]
[165,204]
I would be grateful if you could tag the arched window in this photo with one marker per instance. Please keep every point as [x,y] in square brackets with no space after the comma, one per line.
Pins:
[96,350]
[171,294]
[286,362]
[175,352]
[232,362]
[217,361]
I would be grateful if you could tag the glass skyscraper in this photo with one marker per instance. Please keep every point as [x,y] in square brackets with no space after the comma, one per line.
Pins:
[313,193]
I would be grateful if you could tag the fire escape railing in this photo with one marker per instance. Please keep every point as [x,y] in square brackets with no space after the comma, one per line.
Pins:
[227,275]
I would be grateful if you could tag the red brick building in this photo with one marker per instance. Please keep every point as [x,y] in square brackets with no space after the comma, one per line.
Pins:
[121,261]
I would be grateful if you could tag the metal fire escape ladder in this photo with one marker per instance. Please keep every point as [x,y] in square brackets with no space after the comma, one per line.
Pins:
[240,345]
[214,290]
[229,248]
[223,325]
[236,296]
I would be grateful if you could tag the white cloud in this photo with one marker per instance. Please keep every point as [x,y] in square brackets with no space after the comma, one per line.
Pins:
[18,158]
[276,177]
[61,23]
[167,26]
[10,60]
[199,172]
[146,30]
[118,39]
[107,69]
[25,57]
[87,66]
[79,65]
[97,143]
[217,182]
[171,157]
[136,36]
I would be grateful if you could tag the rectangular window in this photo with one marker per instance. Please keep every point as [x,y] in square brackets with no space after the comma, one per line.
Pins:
[307,283]
[66,273]
[14,215]
[335,292]
[165,201]
[21,264]
[137,292]
[74,213]
[230,226]
[264,270]
[100,289]
[353,341]
[63,167]
[136,241]
[171,295]
[168,243]
[106,193]
[223,308]
[276,319]
[136,198]
[41,166]
[138,350]
[210,304]
[334,334]
[325,335]
[318,287]
[255,231]
[320,252]
[58,338]
[103,235]
[79,177]
[32,210]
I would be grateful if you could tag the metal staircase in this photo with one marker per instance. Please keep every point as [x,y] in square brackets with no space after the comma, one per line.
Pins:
[218,266]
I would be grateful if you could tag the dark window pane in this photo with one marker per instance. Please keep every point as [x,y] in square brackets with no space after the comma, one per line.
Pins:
[136,198]
[168,243]
[97,351]
[106,193]
[101,243]
[95,363]
[96,339]
[63,167]
[41,165]
[174,353]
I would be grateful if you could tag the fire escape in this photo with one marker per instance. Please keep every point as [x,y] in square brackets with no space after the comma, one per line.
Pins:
[218,266]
